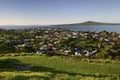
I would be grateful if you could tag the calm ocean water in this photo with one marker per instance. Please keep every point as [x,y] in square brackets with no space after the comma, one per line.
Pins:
[114,28]
[111,28]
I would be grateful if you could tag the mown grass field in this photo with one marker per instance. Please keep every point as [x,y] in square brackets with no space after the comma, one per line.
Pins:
[56,68]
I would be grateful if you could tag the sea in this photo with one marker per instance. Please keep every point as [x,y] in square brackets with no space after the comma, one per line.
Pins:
[97,28]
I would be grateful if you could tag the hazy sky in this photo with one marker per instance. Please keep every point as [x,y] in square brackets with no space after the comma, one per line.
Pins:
[26,12]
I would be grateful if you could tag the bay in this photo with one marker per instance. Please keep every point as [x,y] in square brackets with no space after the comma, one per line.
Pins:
[110,28]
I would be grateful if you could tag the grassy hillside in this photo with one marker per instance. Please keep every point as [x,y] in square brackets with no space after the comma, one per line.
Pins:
[55,68]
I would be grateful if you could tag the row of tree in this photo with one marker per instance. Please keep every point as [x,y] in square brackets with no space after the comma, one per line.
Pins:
[10,48]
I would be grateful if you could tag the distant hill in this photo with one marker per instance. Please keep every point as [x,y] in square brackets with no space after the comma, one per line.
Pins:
[88,23]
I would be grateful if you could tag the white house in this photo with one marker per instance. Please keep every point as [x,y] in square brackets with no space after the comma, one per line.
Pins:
[90,53]
[39,51]
[77,53]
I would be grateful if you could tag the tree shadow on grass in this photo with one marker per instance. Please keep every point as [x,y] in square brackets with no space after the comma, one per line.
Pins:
[15,65]
[11,65]
[8,64]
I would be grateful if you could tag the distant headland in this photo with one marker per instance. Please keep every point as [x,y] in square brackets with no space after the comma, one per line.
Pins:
[88,23]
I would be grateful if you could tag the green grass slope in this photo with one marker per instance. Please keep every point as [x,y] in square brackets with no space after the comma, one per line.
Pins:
[55,68]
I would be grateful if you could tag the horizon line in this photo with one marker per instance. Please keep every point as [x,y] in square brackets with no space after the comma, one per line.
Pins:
[54,23]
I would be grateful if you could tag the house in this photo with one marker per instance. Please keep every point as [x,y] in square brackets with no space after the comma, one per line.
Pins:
[26,40]
[8,41]
[1,41]
[67,51]
[89,54]
[77,53]
[54,48]
[23,45]
[50,44]
[39,51]
[44,47]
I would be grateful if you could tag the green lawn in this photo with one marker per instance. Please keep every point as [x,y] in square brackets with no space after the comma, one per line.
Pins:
[55,68]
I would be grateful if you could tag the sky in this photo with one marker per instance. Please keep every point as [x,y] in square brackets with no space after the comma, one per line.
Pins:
[47,12]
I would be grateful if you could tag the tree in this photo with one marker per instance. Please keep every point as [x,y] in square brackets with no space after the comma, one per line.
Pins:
[7,48]
[27,49]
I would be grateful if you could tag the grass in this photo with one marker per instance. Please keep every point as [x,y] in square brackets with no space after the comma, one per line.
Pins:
[56,68]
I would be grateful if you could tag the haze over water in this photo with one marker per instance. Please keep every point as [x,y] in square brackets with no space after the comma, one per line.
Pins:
[111,28]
